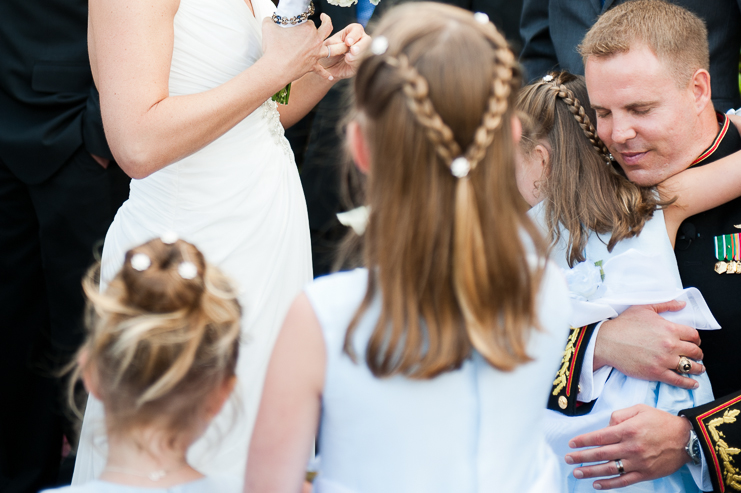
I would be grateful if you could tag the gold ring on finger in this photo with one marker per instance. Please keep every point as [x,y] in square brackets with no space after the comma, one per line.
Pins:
[685,365]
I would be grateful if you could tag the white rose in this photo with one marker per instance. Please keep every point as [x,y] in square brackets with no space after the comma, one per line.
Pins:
[584,280]
[343,3]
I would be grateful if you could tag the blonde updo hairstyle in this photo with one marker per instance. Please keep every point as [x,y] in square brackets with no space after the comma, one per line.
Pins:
[447,254]
[581,188]
[160,342]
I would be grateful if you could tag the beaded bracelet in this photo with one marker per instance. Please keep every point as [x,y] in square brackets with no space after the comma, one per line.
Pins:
[297,19]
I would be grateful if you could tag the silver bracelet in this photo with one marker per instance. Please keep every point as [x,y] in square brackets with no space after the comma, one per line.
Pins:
[297,19]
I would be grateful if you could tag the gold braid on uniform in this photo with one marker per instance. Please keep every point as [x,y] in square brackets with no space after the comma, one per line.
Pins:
[576,109]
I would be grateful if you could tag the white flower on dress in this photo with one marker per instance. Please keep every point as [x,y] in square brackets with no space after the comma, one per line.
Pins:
[585,280]
[272,118]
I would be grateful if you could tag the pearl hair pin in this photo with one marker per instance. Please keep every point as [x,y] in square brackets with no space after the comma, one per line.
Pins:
[169,238]
[481,18]
[187,270]
[547,78]
[141,262]
[460,167]
[380,45]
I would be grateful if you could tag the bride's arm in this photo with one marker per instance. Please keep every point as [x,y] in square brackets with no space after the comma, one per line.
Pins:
[131,43]
[290,405]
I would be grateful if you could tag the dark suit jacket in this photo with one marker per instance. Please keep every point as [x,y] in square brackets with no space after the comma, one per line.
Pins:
[552,29]
[48,104]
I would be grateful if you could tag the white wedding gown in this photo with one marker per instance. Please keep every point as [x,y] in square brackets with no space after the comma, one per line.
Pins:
[239,200]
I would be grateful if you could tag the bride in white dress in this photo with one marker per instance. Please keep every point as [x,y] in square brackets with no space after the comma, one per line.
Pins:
[185,91]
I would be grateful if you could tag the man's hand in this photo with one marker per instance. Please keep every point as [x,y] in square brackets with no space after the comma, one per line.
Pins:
[649,442]
[642,344]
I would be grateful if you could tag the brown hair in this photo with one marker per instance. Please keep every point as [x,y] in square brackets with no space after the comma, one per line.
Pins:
[583,191]
[676,36]
[161,338]
[447,254]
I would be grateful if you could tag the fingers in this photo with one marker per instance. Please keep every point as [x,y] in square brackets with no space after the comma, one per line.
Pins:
[624,414]
[688,334]
[322,72]
[690,350]
[669,306]
[608,468]
[597,454]
[605,436]
[352,33]
[672,378]
[325,28]
[335,49]
[618,482]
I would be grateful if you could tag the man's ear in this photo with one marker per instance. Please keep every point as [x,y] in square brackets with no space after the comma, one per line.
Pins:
[358,146]
[700,85]
[89,375]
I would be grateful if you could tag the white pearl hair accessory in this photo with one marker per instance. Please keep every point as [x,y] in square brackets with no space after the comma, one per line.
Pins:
[380,45]
[187,270]
[481,18]
[141,262]
[460,167]
[547,78]
[169,238]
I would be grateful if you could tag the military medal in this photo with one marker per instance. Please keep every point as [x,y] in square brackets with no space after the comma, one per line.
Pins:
[728,253]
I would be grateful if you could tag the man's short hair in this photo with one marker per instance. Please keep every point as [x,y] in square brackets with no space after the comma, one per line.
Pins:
[676,36]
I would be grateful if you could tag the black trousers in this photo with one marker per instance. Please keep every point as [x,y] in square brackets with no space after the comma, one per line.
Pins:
[48,233]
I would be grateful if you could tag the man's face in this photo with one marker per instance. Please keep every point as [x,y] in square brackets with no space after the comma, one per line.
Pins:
[648,122]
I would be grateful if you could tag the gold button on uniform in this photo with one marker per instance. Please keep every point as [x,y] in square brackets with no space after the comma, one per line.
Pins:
[562,402]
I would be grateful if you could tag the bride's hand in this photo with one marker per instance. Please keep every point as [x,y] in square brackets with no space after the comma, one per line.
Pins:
[346,48]
[296,50]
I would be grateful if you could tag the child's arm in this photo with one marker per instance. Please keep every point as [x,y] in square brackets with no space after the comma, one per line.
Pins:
[702,188]
[289,411]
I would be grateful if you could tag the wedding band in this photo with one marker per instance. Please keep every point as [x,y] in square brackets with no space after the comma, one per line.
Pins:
[685,365]
[329,51]
[620,468]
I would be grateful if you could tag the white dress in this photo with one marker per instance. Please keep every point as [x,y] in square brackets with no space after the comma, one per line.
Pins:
[640,270]
[223,484]
[240,201]
[471,430]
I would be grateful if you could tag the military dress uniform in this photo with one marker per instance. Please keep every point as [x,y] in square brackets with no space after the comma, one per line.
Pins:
[717,424]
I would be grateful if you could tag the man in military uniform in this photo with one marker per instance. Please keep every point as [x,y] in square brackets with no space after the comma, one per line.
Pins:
[647,75]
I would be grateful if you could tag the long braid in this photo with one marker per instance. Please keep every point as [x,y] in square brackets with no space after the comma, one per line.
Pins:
[576,109]
[416,90]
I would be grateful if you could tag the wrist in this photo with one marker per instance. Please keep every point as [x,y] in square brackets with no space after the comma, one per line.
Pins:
[692,444]
[600,355]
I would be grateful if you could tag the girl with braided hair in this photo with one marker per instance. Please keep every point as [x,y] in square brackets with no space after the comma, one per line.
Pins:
[425,370]
[161,355]
[614,241]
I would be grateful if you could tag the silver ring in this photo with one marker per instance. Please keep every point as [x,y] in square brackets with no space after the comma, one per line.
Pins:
[329,51]
[620,467]
[685,365]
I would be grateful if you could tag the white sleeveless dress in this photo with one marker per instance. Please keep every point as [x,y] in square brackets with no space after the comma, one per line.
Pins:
[475,429]
[640,270]
[240,201]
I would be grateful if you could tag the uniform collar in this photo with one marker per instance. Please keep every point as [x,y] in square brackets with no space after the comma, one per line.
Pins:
[724,123]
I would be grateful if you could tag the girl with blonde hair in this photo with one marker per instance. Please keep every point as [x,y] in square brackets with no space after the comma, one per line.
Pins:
[161,355]
[614,240]
[425,370]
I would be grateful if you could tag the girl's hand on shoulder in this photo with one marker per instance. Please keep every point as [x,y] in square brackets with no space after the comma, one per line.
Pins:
[347,48]
[296,50]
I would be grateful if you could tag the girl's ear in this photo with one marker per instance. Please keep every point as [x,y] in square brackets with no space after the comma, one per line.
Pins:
[542,157]
[219,396]
[358,146]
[89,375]
[516,129]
